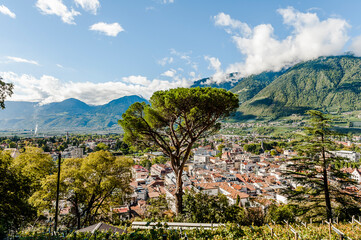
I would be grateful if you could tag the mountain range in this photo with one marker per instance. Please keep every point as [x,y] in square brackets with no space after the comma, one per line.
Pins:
[67,115]
[327,83]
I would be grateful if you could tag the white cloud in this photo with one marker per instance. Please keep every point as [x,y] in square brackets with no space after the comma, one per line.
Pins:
[88,5]
[215,64]
[182,55]
[263,51]
[170,73]
[22,60]
[167,1]
[185,56]
[138,80]
[57,7]
[108,29]
[48,89]
[224,20]
[356,46]
[6,11]
[59,65]
[151,8]
[165,60]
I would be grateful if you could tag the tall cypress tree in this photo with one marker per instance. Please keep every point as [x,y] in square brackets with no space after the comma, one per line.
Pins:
[319,188]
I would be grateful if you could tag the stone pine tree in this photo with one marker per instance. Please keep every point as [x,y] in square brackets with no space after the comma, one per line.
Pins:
[320,189]
[6,90]
[173,122]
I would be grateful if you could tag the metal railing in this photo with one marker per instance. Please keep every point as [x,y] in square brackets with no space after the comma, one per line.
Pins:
[175,225]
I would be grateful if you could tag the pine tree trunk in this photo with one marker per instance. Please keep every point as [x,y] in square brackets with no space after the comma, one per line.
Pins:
[179,192]
[77,214]
[327,195]
[325,185]
[78,221]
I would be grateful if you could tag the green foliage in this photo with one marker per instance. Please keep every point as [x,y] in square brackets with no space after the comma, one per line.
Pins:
[6,90]
[203,208]
[12,145]
[227,232]
[160,160]
[220,147]
[157,210]
[35,165]
[15,189]
[273,152]
[122,146]
[281,213]
[254,148]
[179,112]
[90,185]
[145,162]
[101,146]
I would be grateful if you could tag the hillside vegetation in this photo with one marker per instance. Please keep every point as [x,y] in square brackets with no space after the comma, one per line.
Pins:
[229,231]
[248,87]
[329,83]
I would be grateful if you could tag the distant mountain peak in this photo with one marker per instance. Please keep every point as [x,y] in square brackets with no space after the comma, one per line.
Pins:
[68,114]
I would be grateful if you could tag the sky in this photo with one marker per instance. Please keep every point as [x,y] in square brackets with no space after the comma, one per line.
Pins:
[100,50]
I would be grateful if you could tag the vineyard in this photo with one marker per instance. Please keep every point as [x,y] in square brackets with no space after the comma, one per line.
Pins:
[229,231]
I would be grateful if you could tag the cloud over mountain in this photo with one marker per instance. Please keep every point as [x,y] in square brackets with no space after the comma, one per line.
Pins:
[47,89]
[264,51]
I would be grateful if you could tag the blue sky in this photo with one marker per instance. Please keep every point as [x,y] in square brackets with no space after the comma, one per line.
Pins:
[99,50]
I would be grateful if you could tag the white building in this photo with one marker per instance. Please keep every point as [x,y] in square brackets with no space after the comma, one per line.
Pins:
[200,159]
[281,199]
[351,155]
[356,175]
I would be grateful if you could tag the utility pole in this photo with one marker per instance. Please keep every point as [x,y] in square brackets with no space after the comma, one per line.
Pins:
[57,195]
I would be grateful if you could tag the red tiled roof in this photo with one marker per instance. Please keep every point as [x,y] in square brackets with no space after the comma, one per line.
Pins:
[120,210]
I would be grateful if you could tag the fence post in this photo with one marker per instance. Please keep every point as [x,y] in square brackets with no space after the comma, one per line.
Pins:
[286,223]
[329,229]
[271,228]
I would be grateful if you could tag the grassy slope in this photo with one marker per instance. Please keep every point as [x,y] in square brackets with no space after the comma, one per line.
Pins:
[332,84]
